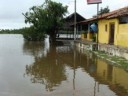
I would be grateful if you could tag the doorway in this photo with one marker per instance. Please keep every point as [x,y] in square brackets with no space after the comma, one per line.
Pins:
[111,33]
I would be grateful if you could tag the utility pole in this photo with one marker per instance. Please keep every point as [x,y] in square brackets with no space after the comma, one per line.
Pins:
[97,25]
[96,2]
[75,20]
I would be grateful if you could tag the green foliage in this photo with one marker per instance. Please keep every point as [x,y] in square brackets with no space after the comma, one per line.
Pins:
[45,19]
[11,31]
[31,34]
[104,10]
[28,33]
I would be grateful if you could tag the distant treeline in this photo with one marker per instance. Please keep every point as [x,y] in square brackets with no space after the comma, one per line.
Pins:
[12,31]
[23,30]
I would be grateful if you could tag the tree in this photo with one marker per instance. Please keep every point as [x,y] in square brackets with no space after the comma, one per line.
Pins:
[104,10]
[46,18]
[56,13]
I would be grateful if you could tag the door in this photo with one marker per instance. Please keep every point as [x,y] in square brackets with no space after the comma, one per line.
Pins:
[111,33]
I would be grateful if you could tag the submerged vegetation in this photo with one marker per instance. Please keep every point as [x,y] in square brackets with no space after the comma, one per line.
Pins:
[31,35]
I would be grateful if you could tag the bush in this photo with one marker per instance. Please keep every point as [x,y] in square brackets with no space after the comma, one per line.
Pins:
[30,34]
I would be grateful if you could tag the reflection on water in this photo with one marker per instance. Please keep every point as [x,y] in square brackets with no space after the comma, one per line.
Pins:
[45,69]
[38,69]
[36,49]
[65,62]
[106,74]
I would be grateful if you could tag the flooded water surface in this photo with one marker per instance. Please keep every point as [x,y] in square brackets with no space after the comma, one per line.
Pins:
[38,69]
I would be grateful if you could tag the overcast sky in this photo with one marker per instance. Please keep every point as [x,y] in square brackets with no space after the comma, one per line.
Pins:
[11,10]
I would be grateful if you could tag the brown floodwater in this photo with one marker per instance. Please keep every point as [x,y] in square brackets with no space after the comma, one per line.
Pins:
[38,69]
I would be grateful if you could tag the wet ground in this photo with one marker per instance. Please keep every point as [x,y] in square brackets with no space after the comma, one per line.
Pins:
[38,69]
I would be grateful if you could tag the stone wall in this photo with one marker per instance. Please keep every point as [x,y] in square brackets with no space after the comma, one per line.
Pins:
[109,49]
[114,50]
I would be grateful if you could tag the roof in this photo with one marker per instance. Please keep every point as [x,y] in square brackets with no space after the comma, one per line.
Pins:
[87,21]
[110,15]
[78,17]
[116,13]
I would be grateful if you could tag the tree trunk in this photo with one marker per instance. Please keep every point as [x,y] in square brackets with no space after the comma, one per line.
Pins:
[53,38]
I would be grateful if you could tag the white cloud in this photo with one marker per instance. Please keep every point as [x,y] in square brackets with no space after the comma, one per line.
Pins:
[89,10]
[12,25]
[11,10]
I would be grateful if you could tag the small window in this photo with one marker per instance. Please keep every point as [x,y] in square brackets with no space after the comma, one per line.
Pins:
[106,27]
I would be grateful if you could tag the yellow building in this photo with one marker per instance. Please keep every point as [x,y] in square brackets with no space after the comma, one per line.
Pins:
[112,28]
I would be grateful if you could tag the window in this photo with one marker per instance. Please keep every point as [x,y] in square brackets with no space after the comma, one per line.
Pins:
[123,19]
[106,27]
